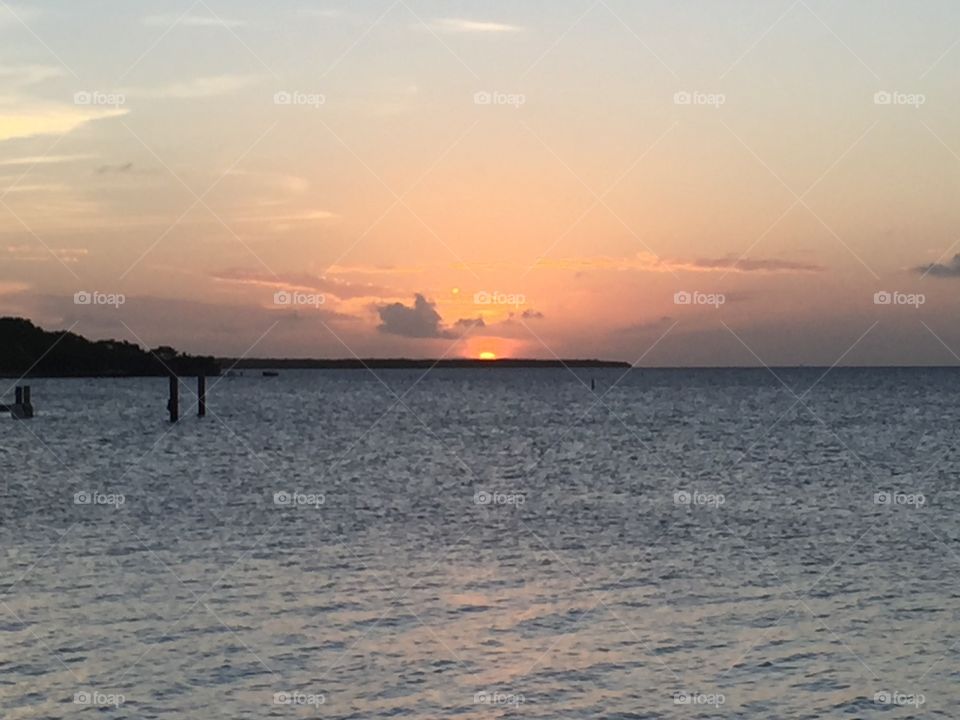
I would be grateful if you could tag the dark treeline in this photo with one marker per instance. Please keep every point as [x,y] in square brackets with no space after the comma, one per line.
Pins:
[28,349]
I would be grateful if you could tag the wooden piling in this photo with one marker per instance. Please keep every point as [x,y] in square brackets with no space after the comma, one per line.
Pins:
[173,404]
[201,395]
[27,405]
[21,408]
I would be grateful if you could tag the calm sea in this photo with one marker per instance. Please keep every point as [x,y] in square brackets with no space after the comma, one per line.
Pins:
[484,544]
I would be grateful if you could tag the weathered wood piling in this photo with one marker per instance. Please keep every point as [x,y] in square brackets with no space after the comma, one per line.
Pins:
[173,404]
[22,408]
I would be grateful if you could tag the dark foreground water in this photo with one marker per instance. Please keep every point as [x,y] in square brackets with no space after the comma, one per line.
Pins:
[484,544]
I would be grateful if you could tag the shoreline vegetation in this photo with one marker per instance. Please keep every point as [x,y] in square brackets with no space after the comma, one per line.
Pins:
[30,351]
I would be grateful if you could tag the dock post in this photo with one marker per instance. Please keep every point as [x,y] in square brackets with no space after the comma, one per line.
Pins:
[202,395]
[21,408]
[27,405]
[173,404]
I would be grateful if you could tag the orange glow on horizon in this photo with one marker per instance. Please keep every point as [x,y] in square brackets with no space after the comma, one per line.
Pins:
[487,355]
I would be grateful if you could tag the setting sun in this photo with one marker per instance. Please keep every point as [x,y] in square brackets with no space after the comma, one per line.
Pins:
[487,355]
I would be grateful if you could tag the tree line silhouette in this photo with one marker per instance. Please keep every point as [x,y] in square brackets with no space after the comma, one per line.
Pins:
[27,350]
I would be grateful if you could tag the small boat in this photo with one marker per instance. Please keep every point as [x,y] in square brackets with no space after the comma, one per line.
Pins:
[270,373]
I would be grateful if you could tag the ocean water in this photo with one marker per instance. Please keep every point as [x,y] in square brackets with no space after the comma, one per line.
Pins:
[483,544]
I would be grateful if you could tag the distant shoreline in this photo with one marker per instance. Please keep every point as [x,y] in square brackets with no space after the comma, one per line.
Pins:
[407,364]
[255,365]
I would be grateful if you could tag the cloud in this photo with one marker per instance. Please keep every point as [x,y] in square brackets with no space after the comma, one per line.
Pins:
[201,87]
[647,262]
[532,315]
[20,76]
[24,120]
[285,221]
[44,160]
[949,269]
[419,321]
[461,25]
[326,13]
[38,253]
[374,270]
[114,169]
[303,282]
[470,323]
[37,187]
[190,20]
[747,265]
[282,182]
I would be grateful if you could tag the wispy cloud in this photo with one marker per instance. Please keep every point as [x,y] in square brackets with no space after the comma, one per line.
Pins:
[304,282]
[285,221]
[44,160]
[326,13]
[646,262]
[37,188]
[306,216]
[20,76]
[191,20]
[29,119]
[462,25]
[201,87]
[35,253]
[374,270]
[121,169]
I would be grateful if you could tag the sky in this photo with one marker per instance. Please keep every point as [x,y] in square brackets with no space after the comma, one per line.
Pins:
[668,183]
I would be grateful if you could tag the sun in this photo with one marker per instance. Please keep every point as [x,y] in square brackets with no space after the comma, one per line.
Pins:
[487,355]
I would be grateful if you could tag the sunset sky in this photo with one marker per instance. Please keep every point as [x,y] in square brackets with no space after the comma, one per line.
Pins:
[527,179]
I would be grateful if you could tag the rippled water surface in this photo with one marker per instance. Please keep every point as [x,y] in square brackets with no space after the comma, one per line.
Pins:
[483,544]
